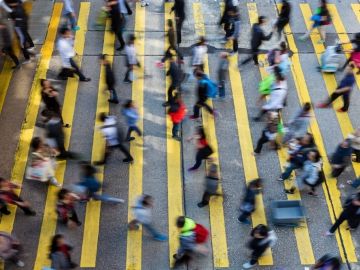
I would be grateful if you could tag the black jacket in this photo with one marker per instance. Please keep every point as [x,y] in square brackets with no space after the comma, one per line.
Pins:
[175,73]
[109,76]
[179,9]
[258,36]
[285,11]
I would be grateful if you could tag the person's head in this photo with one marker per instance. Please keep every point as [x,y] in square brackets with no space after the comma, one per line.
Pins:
[103,59]
[128,104]
[36,143]
[278,75]
[323,3]
[345,143]
[180,222]
[307,139]
[284,1]
[307,107]
[262,20]
[63,194]
[65,32]
[44,83]
[314,156]
[261,231]
[357,36]
[103,116]
[147,201]
[131,39]
[283,46]
[169,23]
[56,242]
[202,40]
[350,68]
[256,184]
[199,74]
[201,132]
[88,170]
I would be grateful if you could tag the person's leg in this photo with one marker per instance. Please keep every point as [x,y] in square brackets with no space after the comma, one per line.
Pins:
[9,51]
[197,107]
[154,233]
[338,222]
[175,130]
[74,217]
[137,130]
[106,198]
[322,32]
[207,107]
[127,74]
[113,95]
[288,170]
[244,216]
[198,159]
[346,102]
[337,171]
[77,70]
[357,154]
[205,199]
[346,63]
[255,56]
[128,138]
[170,93]
[262,140]
[22,42]
[332,98]
[227,30]
[125,151]
[235,45]
[179,23]
[71,20]
[222,88]
[119,35]
[28,40]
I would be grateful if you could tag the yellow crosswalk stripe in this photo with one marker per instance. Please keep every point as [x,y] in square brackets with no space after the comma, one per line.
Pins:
[356,9]
[27,128]
[343,37]
[134,238]
[218,232]
[48,226]
[92,214]
[175,199]
[303,241]
[303,95]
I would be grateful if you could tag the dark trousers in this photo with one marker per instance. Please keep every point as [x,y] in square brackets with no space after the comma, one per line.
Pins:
[171,47]
[228,30]
[343,216]
[256,254]
[346,99]
[9,51]
[198,105]
[179,23]
[25,41]
[357,154]
[170,92]
[113,94]
[175,129]
[280,24]
[77,70]
[254,57]
[335,172]
[119,35]
[131,129]
[235,45]
[244,215]
[289,169]
[263,139]
[71,19]
[121,147]
[201,154]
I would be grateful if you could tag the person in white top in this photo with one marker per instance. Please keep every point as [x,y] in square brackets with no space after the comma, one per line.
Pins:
[199,53]
[65,45]
[277,97]
[131,59]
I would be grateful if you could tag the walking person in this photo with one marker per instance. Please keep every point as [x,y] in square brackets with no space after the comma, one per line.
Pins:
[269,133]
[344,90]
[69,13]
[341,158]
[262,237]
[177,112]
[7,44]
[171,36]
[65,46]
[211,185]
[349,213]
[179,9]
[60,254]
[204,151]
[175,74]
[142,212]
[199,53]
[131,60]
[117,21]
[235,29]
[114,138]
[109,79]
[327,262]
[10,248]
[131,114]
[283,18]
[65,208]
[230,6]
[355,144]
[248,205]
[222,73]
[257,37]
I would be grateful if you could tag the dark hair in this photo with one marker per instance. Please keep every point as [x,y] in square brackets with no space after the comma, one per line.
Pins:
[128,104]
[323,3]
[180,221]
[261,229]
[35,143]
[311,141]
[261,19]
[306,107]
[283,46]
[42,81]
[317,155]
[277,73]
[54,243]
[103,56]
[103,116]
[199,73]
[146,200]
[64,30]
[131,38]
[88,170]
[257,183]
[61,194]
[202,40]
[351,65]
[200,130]
[2,180]
[169,23]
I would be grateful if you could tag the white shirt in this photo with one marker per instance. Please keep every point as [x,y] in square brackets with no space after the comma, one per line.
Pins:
[277,96]
[109,130]
[66,50]
[199,55]
[131,54]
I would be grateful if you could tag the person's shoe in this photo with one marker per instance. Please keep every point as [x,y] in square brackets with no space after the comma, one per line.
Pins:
[66,125]
[30,213]
[246,221]
[248,265]
[341,110]
[328,233]
[280,179]
[201,205]
[160,238]
[99,163]
[165,104]
[289,191]
[193,117]
[54,182]
[113,101]
[5,212]
[322,106]
[120,48]
[131,139]
[128,160]
[127,81]
[85,80]
[20,263]
[76,28]
[78,223]
[191,169]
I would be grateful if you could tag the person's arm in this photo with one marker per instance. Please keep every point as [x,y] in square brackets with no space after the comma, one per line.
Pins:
[343,90]
[266,37]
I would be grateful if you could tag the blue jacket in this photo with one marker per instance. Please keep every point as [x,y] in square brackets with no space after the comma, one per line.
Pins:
[131,116]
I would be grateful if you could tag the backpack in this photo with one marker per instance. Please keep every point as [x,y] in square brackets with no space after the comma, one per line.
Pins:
[265,85]
[201,234]
[211,87]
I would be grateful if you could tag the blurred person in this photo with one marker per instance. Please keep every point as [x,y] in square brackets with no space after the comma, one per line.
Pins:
[199,52]
[142,212]
[354,53]
[283,18]
[355,144]
[117,21]
[230,6]
[222,72]
[344,90]
[42,164]
[65,208]
[60,254]
[235,30]
[211,185]
[204,150]
[131,115]
[69,13]
[175,74]
[327,262]
[109,79]
[10,248]
[262,238]
[179,9]
[341,158]
[257,37]
[9,196]
[248,204]
[65,45]
[172,42]
[131,59]
[7,44]
[269,133]
[177,112]
[114,138]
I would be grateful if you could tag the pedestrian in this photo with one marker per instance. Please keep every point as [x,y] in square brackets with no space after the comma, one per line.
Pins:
[269,133]
[175,74]
[65,46]
[109,79]
[321,18]
[299,156]
[70,15]
[65,208]
[114,138]
[179,9]
[230,6]
[327,262]
[355,144]
[10,248]
[341,158]
[211,185]
[202,95]
[278,94]
[235,29]
[177,112]
[9,196]
[131,59]
[344,90]
[257,37]
[283,18]
[204,151]
[142,212]
[7,44]
[297,127]
[349,213]
[262,237]
[131,114]
[248,204]
[354,53]
[60,254]
[199,53]
[117,21]
[172,42]
[222,73]
[42,164]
